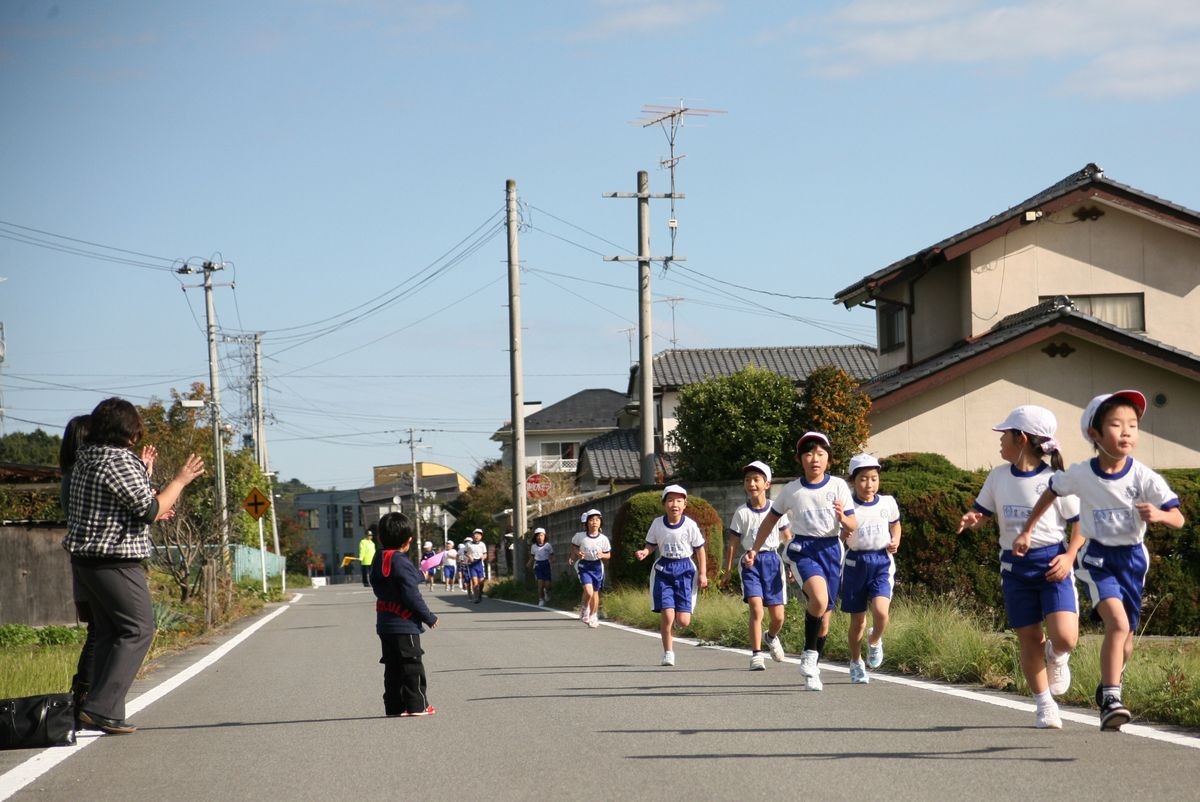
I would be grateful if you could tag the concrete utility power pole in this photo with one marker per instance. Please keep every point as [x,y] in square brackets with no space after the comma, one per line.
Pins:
[514,369]
[645,354]
[412,456]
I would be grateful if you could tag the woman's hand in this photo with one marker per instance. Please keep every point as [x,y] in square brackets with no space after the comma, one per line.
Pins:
[190,470]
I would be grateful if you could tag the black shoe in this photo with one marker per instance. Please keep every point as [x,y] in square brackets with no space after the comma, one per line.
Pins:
[110,725]
[478,601]
[1113,714]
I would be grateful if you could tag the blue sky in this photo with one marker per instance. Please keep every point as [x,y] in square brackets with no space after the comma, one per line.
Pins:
[340,155]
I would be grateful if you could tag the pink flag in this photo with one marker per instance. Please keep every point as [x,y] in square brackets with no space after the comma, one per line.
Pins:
[432,562]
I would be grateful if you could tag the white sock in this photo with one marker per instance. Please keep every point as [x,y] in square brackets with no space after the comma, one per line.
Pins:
[1044,699]
[1055,656]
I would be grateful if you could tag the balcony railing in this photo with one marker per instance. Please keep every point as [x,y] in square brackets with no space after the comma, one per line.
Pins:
[551,465]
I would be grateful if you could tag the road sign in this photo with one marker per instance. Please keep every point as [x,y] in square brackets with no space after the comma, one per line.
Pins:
[256,503]
[537,485]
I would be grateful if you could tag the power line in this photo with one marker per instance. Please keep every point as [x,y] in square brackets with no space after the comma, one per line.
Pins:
[168,265]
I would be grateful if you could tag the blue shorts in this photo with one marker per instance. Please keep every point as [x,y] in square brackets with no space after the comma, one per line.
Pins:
[475,570]
[1114,572]
[866,575]
[448,572]
[1028,597]
[672,585]
[591,572]
[541,570]
[765,579]
[817,556]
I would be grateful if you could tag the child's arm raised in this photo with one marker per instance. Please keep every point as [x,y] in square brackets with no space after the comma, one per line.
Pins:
[1156,515]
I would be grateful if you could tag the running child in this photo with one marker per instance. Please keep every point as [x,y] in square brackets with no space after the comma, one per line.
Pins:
[476,564]
[400,617]
[673,577]
[763,583]
[1118,497]
[819,508]
[589,550]
[449,564]
[539,560]
[868,569]
[426,553]
[1036,581]
[464,581]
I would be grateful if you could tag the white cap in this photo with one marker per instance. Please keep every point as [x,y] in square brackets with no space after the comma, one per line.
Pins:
[449,543]
[1030,419]
[820,438]
[859,461]
[761,467]
[669,489]
[1132,396]
[429,544]
[477,532]
[583,518]
[539,530]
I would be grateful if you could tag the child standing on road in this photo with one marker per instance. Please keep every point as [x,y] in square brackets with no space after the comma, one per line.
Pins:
[449,564]
[763,583]
[539,559]
[589,550]
[819,507]
[1118,496]
[868,569]
[1036,579]
[477,564]
[673,577]
[464,581]
[400,614]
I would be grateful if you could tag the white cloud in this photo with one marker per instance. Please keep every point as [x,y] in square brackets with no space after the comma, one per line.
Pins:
[646,17]
[1146,49]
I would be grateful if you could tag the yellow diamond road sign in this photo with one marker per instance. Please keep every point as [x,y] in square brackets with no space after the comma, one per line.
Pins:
[256,503]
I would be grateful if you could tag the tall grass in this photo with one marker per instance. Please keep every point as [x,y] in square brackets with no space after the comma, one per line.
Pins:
[934,639]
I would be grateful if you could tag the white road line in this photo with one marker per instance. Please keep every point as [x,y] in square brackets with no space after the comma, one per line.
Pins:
[23,774]
[1139,730]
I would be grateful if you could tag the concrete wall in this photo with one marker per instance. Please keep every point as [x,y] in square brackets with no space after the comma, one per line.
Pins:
[35,576]
[955,418]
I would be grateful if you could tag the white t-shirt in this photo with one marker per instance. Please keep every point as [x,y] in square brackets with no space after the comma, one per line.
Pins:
[810,507]
[1106,500]
[745,523]
[449,557]
[1009,495]
[541,553]
[675,541]
[590,548]
[476,551]
[874,523]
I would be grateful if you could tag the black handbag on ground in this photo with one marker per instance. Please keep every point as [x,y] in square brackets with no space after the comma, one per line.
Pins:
[36,721]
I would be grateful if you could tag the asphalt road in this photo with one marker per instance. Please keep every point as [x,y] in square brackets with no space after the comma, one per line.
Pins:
[532,704]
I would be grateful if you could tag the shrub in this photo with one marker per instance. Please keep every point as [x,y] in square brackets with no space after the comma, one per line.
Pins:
[17,635]
[60,635]
[633,519]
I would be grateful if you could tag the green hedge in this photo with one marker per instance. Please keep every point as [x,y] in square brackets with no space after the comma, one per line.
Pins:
[933,494]
[633,519]
[30,505]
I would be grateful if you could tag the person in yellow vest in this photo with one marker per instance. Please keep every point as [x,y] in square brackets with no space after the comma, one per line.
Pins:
[366,553]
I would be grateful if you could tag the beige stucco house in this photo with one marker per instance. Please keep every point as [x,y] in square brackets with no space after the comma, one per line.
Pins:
[1088,286]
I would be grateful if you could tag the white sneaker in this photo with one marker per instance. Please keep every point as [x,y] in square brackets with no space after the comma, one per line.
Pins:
[594,621]
[541,602]
[808,663]
[758,662]
[586,619]
[668,658]
[776,646]
[858,673]
[1058,671]
[874,652]
[814,684]
[1048,718]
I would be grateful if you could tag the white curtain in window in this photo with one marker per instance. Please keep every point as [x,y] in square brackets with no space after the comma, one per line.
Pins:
[1123,311]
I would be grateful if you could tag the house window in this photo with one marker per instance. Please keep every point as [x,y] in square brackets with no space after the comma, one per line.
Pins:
[559,450]
[347,522]
[892,326]
[310,519]
[1123,310]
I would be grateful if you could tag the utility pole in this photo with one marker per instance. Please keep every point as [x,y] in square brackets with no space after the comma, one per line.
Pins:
[214,380]
[412,456]
[645,356]
[515,378]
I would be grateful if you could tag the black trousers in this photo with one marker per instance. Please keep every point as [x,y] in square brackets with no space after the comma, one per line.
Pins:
[403,674]
[119,598]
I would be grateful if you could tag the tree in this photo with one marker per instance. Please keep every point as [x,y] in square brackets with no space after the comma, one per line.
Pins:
[30,448]
[726,422]
[832,403]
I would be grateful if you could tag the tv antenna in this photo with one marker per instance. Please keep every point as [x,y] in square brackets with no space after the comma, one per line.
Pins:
[670,119]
